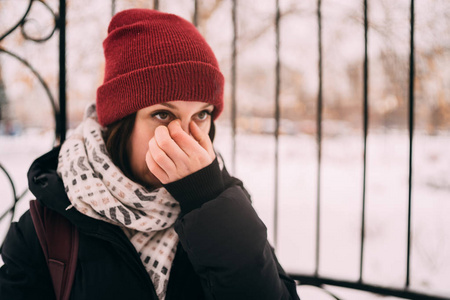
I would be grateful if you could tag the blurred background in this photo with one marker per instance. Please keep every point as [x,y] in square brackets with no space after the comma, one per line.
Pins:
[323,147]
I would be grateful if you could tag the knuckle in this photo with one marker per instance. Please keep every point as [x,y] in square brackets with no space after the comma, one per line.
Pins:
[158,156]
[164,142]
[152,166]
[148,157]
[177,134]
[204,160]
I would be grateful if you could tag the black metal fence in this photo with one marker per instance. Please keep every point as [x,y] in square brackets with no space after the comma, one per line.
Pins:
[315,279]
[58,106]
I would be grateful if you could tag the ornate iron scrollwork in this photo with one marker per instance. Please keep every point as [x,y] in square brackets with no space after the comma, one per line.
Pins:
[20,25]
[25,19]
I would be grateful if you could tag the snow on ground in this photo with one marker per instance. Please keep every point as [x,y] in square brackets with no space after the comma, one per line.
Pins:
[341,198]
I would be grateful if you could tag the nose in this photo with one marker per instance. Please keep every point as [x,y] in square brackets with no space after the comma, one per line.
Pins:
[185,125]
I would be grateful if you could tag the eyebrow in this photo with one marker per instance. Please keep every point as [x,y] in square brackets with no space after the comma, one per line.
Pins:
[169,105]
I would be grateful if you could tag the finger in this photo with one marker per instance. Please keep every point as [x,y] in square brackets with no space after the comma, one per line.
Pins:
[186,142]
[155,169]
[168,145]
[202,138]
[160,157]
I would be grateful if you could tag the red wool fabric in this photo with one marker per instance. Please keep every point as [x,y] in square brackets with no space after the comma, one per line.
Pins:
[153,57]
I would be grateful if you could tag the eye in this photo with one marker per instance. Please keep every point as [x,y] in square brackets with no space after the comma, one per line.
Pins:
[203,115]
[161,115]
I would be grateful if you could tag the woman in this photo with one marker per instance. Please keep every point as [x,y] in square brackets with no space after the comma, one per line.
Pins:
[158,215]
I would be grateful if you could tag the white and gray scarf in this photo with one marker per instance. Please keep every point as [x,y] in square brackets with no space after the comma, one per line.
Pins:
[97,188]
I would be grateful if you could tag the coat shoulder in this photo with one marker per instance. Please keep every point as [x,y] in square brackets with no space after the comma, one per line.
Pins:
[24,274]
[21,244]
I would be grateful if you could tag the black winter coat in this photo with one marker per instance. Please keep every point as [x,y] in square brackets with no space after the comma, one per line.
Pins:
[223,251]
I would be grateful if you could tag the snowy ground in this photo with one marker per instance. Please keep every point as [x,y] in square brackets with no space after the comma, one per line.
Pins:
[341,194]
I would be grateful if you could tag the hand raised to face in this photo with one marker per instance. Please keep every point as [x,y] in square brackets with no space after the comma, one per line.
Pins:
[174,154]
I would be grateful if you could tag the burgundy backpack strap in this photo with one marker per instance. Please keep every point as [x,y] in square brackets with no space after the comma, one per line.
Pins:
[59,241]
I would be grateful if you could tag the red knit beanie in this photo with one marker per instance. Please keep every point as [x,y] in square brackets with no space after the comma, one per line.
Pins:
[154,57]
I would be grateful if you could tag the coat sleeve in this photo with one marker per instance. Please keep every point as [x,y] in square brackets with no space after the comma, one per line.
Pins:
[226,241]
[24,274]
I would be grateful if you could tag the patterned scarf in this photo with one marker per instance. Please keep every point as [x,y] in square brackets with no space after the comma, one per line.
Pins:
[98,189]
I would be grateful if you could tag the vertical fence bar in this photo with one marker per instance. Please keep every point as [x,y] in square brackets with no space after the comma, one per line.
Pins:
[62,71]
[319,133]
[12,210]
[233,85]
[113,8]
[365,130]
[195,17]
[411,134]
[156,4]
[277,120]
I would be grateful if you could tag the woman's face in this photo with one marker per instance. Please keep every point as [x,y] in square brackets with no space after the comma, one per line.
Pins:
[149,118]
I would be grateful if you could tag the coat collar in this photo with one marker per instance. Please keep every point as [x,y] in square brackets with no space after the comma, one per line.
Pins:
[48,188]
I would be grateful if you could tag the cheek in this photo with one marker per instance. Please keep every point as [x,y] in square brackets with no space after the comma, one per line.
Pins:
[133,152]
[204,126]
[138,146]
